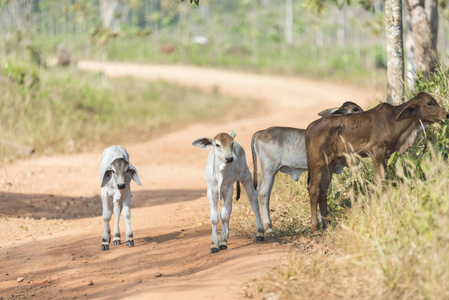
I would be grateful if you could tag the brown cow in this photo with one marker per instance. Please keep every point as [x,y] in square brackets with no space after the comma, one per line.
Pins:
[376,133]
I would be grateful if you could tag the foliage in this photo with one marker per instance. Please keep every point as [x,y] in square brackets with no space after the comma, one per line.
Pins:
[22,74]
[101,36]
[197,2]
[437,84]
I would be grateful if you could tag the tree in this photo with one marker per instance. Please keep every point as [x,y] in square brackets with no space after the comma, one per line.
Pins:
[112,11]
[424,30]
[395,52]
[288,30]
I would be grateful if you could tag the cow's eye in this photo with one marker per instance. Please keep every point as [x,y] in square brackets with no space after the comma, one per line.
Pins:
[113,171]
[430,103]
[356,109]
[217,145]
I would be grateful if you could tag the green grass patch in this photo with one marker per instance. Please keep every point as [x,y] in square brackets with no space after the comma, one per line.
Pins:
[69,111]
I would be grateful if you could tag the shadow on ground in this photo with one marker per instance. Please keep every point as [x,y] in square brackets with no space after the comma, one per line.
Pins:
[70,268]
[62,207]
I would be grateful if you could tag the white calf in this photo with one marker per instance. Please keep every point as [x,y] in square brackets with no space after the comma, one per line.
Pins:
[116,173]
[226,164]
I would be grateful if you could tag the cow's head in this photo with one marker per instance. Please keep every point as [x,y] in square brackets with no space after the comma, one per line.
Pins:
[120,169]
[222,144]
[347,108]
[423,107]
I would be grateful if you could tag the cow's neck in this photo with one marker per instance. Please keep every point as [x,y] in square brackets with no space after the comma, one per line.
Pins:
[408,139]
[219,170]
[406,131]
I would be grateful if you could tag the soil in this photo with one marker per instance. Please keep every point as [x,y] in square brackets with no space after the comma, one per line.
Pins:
[50,217]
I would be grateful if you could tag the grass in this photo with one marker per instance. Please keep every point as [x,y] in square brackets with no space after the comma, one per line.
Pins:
[365,66]
[331,62]
[393,243]
[70,111]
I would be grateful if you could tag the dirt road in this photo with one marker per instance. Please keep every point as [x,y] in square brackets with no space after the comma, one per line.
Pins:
[50,216]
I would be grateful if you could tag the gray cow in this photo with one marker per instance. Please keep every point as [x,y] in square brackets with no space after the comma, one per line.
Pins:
[116,173]
[283,149]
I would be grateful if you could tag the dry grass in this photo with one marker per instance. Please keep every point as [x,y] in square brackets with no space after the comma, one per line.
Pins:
[392,244]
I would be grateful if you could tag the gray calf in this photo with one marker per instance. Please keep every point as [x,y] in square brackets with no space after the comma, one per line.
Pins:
[116,173]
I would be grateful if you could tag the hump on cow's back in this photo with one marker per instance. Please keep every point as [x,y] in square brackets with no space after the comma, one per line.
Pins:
[238,149]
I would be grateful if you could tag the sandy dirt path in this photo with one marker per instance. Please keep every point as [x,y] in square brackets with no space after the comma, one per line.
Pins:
[51,225]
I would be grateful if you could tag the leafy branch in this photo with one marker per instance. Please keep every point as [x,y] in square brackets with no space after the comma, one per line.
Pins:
[197,2]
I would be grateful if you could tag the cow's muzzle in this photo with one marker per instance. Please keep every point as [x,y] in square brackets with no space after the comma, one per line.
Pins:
[121,186]
[229,160]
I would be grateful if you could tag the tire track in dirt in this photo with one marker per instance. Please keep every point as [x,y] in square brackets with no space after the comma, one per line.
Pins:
[55,244]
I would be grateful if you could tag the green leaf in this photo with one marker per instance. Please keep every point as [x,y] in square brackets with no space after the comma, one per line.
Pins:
[392,158]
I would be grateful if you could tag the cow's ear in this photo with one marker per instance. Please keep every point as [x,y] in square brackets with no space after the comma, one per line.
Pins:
[133,174]
[233,134]
[328,112]
[408,112]
[202,143]
[106,176]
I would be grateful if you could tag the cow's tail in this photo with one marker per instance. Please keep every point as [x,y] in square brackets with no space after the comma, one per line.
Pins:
[253,153]
[237,183]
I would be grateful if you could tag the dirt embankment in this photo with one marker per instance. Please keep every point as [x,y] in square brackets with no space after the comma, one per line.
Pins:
[51,221]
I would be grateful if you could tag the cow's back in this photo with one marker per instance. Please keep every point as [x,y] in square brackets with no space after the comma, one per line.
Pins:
[282,146]
[333,135]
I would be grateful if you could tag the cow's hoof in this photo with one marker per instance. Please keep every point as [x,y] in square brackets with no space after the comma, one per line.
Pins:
[260,238]
[223,247]
[130,243]
[117,242]
[214,250]
[104,247]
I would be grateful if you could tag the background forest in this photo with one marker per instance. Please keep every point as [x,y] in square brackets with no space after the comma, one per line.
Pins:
[291,37]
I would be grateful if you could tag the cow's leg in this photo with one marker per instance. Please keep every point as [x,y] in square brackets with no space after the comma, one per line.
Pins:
[264,192]
[126,214]
[117,210]
[379,167]
[225,217]
[107,214]
[212,195]
[325,185]
[314,193]
[252,197]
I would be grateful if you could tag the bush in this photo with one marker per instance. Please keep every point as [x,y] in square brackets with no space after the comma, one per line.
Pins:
[26,76]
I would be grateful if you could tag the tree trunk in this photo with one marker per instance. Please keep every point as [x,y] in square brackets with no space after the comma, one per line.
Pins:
[395,52]
[107,11]
[410,74]
[424,25]
[288,30]
[341,32]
